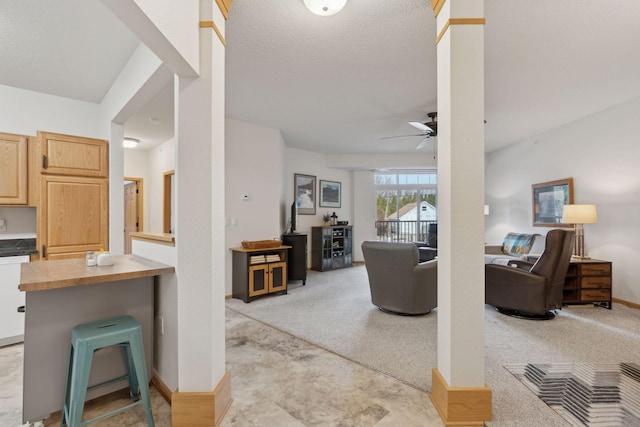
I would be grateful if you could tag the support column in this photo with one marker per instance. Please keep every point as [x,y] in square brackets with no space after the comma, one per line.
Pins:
[459,392]
[204,387]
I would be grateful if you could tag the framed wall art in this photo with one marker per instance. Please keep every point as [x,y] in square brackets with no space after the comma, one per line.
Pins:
[549,199]
[304,193]
[330,194]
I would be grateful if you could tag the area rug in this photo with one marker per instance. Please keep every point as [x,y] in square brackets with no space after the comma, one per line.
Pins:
[586,394]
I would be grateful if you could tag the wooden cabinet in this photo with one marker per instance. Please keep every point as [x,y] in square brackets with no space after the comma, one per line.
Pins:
[331,247]
[73,214]
[267,278]
[588,281]
[297,260]
[258,272]
[13,169]
[73,155]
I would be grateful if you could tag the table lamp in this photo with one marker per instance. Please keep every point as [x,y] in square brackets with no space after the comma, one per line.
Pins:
[578,215]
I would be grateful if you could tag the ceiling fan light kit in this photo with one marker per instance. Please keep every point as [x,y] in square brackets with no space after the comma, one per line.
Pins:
[325,7]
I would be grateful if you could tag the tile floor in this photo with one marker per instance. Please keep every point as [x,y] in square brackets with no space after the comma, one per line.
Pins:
[277,380]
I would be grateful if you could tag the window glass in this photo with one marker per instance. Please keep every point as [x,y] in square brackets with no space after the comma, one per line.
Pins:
[406,204]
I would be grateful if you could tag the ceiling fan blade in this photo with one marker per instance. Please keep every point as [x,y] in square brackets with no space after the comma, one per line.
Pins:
[422,143]
[423,127]
[401,136]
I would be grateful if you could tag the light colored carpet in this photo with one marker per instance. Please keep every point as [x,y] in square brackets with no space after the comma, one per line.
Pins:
[334,311]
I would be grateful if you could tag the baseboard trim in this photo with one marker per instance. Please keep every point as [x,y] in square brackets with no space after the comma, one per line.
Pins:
[206,409]
[627,303]
[458,406]
[162,388]
[228,296]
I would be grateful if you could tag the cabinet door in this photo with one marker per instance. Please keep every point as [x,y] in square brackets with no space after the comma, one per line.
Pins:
[74,216]
[73,155]
[277,276]
[13,169]
[258,280]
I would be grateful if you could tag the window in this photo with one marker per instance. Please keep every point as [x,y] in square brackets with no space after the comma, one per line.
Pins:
[406,204]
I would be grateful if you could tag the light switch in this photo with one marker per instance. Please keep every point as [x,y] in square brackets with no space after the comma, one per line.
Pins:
[3,225]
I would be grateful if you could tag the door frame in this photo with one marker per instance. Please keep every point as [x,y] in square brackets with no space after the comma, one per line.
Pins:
[139,200]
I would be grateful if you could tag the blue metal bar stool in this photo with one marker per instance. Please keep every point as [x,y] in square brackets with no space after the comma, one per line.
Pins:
[123,331]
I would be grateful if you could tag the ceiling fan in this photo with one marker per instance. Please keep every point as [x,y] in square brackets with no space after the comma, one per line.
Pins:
[429,129]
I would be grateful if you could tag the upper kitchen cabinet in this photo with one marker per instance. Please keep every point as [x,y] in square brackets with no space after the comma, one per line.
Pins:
[74,216]
[73,155]
[13,169]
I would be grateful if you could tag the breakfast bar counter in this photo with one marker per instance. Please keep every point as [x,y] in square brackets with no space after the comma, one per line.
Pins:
[61,294]
[40,276]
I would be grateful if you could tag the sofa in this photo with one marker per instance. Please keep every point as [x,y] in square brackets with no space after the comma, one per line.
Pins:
[514,247]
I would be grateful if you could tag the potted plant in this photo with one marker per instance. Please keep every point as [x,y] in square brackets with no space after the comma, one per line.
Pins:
[326,217]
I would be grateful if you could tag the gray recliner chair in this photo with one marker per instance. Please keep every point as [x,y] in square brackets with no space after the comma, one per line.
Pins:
[398,283]
[532,292]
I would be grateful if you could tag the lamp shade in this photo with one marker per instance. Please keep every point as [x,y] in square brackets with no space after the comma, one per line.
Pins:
[579,214]
[325,7]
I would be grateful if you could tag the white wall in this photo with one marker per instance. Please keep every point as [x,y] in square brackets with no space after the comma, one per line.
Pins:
[165,343]
[310,163]
[364,210]
[150,166]
[254,167]
[161,160]
[20,222]
[25,112]
[602,154]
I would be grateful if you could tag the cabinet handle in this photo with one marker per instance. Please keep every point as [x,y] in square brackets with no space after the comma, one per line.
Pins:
[44,161]
[44,251]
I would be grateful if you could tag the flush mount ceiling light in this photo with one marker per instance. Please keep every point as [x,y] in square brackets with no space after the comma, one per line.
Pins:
[325,7]
[130,142]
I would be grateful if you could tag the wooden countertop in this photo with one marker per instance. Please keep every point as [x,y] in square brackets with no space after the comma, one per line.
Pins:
[162,238]
[45,275]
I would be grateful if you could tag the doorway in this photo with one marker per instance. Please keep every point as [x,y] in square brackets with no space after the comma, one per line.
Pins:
[133,197]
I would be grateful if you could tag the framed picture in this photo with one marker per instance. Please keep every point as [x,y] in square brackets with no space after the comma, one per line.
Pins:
[330,194]
[304,192]
[549,199]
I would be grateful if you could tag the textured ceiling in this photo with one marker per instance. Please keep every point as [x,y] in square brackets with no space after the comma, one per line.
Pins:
[69,48]
[338,84]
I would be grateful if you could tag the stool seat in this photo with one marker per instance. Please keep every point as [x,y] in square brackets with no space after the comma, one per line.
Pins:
[123,331]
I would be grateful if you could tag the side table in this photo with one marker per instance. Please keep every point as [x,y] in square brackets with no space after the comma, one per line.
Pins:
[588,281]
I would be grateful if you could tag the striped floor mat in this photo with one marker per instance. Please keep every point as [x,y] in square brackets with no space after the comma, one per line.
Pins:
[586,394]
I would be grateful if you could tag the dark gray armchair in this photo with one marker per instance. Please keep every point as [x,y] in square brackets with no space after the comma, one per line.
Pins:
[398,283]
[532,292]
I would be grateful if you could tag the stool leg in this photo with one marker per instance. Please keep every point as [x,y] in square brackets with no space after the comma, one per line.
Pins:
[137,351]
[81,367]
[67,389]
[134,388]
